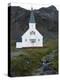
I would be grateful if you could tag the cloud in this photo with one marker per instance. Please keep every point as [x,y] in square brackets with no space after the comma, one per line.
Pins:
[34,3]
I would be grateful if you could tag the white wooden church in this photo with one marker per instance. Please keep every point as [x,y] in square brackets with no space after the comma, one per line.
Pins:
[32,37]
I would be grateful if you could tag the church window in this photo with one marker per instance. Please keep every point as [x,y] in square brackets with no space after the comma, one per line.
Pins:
[32,33]
[25,39]
[38,39]
[33,40]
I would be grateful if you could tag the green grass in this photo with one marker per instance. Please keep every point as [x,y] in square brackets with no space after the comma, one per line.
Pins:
[26,63]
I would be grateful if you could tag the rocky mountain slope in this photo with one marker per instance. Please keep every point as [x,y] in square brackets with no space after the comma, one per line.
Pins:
[46,21]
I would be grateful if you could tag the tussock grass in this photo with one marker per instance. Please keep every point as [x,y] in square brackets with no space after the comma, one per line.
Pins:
[26,63]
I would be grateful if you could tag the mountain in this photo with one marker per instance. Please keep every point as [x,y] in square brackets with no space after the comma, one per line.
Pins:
[46,21]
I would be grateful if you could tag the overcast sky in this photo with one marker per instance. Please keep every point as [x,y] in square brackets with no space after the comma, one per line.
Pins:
[35,3]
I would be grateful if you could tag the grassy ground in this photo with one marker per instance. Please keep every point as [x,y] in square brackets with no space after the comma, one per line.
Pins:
[30,60]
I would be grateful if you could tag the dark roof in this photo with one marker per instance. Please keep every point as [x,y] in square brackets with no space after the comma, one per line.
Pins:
[18,38]
[32,18]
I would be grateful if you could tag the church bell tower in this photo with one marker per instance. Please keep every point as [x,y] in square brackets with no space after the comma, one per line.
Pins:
[32,23]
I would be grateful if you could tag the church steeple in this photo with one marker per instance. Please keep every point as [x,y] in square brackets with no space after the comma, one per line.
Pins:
[32,18]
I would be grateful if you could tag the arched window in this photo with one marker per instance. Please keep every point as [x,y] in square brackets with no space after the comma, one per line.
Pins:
[32,33]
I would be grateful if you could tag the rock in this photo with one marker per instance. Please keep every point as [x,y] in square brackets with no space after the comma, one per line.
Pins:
[45,68]
[46,19]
